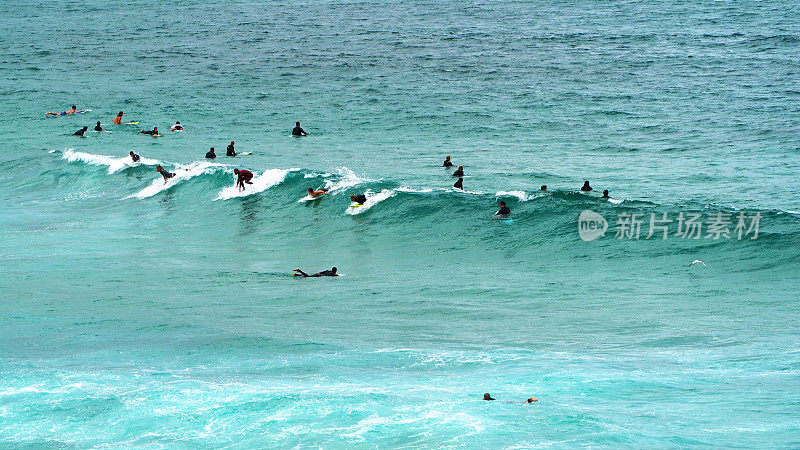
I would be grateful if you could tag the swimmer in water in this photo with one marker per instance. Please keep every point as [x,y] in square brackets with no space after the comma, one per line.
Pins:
[447,162]
[297,131]
[164,173]
[314,194]
[80,132]
[65,113]
[358,198]
[504,211]
[154,132]
[605,194]
[242,177]
[118,119]
[230,150]
[135,157]
[176,127]
[210,154]
[98,127]
[531,400]
[543,188]
[324,273]
[586,187]
[488,397]
[459,184]
[459,172]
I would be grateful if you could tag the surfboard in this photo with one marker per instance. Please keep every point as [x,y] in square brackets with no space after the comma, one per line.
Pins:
[356,205]
[131,123]
[244,153]
[309,198]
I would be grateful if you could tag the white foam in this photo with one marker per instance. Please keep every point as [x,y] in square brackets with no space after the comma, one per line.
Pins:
[372,200]
[181,173]
[347,179]
[520,195]
[114,164]
[614,201]
[261,183]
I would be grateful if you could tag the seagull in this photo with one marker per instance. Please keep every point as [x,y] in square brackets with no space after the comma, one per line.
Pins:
[697,261]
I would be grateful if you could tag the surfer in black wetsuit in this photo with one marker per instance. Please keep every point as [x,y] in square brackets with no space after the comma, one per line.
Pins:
[98,127]
[151,133]
[459,172]
[358,198]
[80,132]
[543,188]
[586,187]
[230,150]
[459,184]
[487,397]
[210,154]
[297,131]
[324,273]
[135,157]
[164,173]
[447,162]
[605,194]
[504,211]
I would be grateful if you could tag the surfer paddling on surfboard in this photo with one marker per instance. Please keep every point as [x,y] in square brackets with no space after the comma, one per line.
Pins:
[153,132]
[65,113]
[358,199]
[319,193]
[324,273]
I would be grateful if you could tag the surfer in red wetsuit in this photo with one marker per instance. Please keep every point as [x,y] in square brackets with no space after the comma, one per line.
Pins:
[242,177]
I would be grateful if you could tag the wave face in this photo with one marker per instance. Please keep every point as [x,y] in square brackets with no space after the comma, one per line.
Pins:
[138,313]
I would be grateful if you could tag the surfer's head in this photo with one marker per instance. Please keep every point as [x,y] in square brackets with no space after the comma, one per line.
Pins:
[74,107]
[532,399]
[120,114]
[605,193]
[159,168]
[447,158]
[177,123]
[502,203]
[155,129]
[131,153]
[212,149]
[333,269]
[352,197]
[543,188]
[231,142]
[297,123]
[236,171]
[487,396]
[310,190]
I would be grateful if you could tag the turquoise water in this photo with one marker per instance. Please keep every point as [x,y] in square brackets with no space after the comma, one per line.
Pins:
[138,314]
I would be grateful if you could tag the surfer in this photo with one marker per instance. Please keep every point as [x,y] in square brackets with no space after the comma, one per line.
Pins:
[543,188]
[459,184]
[67,112]
[80,132]
[297,131]
[230,150]
[488,397]
[98,127]
[242,177]
[135,157]
[447,162]
[586,187]
[118,119]
[605,194]
[210,154]
[314,194]
[164,173]
[459,172]
[324,273]
[358,198]
[504,211]
[153,132]
[531,400]
[176,127]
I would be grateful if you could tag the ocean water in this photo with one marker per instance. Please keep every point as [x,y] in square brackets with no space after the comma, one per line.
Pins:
[135,313]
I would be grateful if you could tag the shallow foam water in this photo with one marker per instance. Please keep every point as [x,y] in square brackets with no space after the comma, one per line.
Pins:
[145,314]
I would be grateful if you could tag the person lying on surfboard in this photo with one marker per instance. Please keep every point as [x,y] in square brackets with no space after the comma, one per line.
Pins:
[358,198]
[135,157]
[67,112]
[314,194]
[154,132]
[118,119]
[324,273]
[176,127]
